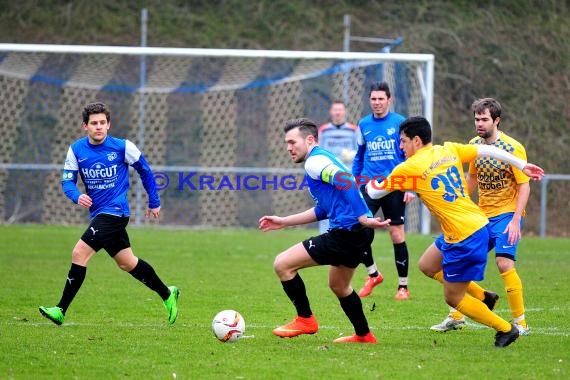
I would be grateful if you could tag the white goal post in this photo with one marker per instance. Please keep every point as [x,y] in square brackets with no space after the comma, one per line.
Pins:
[209,111]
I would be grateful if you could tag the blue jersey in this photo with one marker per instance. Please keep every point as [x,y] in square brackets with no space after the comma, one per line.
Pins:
[340,203]
[378,145]
[104,170]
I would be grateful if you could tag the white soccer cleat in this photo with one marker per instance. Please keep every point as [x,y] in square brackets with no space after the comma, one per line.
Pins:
[449,324]
[523,330]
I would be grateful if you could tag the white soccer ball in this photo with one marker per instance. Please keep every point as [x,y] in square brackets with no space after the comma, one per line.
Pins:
[228,326]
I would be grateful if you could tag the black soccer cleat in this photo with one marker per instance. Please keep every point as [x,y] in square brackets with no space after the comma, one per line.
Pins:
[491,299]
[503,339]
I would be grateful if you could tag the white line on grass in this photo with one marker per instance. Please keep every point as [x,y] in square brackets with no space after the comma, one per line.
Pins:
[552,331]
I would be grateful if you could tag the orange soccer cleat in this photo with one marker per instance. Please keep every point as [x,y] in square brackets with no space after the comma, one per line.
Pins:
[368,338]
[402,295]
[299,326]
[370,283]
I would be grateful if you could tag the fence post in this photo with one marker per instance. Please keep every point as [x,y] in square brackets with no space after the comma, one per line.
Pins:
[140,137]
[543,201]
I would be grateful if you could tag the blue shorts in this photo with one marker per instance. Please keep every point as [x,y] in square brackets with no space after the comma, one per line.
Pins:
[465,261]
[499,240]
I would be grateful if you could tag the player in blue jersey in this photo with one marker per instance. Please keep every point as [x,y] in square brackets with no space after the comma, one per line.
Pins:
[378,153]
[350,234]
[338,137]
[102,161]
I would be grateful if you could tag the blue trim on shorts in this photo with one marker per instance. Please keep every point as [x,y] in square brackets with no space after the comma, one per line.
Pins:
[465,261]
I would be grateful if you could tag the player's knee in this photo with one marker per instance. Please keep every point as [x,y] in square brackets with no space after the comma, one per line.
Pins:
[397,234]
[504,264]
[127,267]
[426,268]
[340,290]
[79,257]
[126,263]
[280,267]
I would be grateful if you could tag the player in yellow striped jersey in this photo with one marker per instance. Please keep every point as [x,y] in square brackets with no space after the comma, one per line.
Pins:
[459,255]
[503,194]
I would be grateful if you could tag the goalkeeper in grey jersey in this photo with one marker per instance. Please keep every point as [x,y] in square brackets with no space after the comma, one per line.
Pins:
[338,137]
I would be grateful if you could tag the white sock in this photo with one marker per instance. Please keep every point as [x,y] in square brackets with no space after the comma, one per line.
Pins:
[372,269]
[403,281]
[518,319]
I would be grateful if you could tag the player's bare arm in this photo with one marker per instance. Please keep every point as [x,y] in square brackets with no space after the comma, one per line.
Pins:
[513,229]
[274,222]
[471,183]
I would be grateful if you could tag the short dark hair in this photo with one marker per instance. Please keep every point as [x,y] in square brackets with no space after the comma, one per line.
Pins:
[417,126]
[480,105]
[93,109]
[380,86]
[306,127]
[338,101]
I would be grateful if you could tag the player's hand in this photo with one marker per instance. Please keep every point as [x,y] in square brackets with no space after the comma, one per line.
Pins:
[533,171]
[409,196]
[513,231]
[374,222]
[84,200]
[269,223]
[155,212]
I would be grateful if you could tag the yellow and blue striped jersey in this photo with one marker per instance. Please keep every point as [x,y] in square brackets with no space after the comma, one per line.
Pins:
[435,173]
[498,181]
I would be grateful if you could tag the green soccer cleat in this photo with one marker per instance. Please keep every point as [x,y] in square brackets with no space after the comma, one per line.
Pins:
[54,314]
[171,304]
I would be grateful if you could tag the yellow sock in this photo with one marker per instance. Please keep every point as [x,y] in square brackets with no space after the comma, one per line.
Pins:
[475,290]
[477,311]
[438,276]
[513,286]
[453,313]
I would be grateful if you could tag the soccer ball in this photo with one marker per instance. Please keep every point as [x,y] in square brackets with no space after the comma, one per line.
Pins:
[228,326]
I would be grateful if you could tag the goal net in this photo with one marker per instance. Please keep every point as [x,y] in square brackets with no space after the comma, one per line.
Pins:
[209,121]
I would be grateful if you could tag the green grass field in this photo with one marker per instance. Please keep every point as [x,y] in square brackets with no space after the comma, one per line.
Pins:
[116,327]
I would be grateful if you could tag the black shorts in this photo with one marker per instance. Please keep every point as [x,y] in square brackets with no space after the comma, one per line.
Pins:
[108,232]
[340,247]
[392,205]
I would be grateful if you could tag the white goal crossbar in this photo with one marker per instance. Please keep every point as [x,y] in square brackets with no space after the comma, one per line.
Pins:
[346,61]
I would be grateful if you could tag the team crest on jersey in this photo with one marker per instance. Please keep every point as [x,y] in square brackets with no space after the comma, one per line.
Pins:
[111,156]
[391,131]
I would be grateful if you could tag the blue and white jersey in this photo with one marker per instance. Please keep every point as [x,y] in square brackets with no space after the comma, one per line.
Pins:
[328,180]
[104,170]
[378,145]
